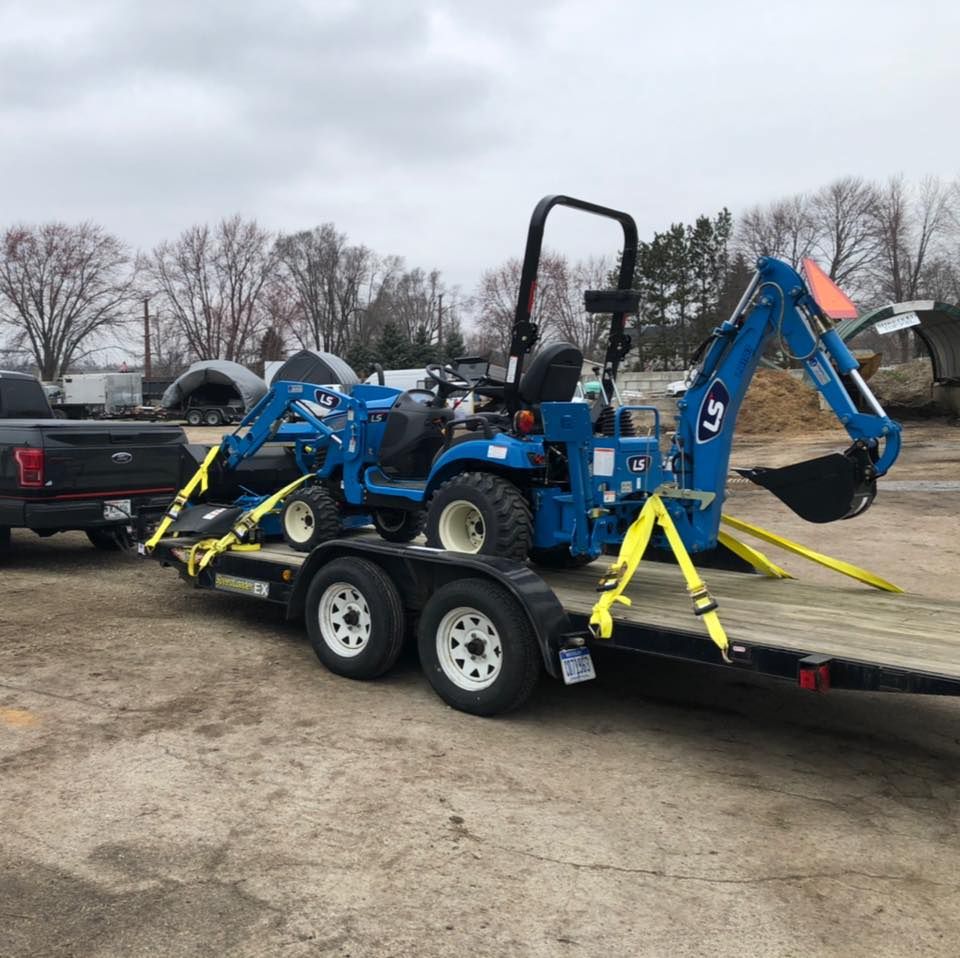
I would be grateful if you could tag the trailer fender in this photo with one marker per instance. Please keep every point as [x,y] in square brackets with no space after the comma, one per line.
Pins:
[418,572]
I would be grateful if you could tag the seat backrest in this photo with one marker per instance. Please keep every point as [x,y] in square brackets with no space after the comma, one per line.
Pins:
[553,375]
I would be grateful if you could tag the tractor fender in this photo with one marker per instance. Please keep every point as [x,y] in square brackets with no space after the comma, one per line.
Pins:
[514,459]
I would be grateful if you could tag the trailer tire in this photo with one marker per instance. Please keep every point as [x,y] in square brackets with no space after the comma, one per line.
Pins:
[117,539]
[310,516]
[481,514]
[399,525]
[477,647]
[354,618]
[213,417]
[194,417]
[559,557]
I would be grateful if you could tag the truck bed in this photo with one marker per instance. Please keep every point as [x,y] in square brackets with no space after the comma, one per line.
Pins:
[848,622]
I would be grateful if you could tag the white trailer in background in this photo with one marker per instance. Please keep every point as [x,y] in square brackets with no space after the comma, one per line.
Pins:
[96,395]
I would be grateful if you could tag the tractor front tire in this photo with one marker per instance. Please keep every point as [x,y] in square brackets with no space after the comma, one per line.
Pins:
[310,516]
[399,525]
[481,514]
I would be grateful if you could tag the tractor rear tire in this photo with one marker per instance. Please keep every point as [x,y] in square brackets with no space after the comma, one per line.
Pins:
[310,516]
[354,618]
[480,514]
[399,525]
[478,648]
[559,557]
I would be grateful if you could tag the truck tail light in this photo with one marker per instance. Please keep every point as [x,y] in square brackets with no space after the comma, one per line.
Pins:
[30,467]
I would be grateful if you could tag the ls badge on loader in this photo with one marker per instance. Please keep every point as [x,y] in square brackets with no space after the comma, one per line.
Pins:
[327,400]
[638,464]
[713,410]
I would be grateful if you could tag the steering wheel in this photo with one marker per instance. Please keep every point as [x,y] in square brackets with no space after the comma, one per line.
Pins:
[446,376]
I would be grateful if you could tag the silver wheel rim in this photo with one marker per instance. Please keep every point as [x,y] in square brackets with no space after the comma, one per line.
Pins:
[461,527]
[298,521]
[344,619]
[469,649]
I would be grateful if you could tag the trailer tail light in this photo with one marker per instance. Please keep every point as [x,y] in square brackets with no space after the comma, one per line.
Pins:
[524,421]
[814,674]
[30,468]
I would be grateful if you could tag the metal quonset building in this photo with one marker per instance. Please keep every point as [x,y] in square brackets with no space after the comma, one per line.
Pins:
[938,328]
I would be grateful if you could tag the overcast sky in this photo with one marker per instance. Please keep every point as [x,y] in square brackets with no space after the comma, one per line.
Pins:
[429,128]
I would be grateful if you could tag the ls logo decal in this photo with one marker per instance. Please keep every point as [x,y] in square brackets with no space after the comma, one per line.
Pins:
[713,410]
[327,400]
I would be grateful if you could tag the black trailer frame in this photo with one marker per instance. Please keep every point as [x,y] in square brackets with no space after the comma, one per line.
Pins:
[283,577]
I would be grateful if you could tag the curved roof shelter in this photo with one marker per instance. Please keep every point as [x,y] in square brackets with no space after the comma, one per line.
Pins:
[938,329]
[216,381]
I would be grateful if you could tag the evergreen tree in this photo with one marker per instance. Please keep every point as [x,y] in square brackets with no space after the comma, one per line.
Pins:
[453,344]
[422,350]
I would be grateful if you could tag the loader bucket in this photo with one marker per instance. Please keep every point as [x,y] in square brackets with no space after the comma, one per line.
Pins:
[838,486]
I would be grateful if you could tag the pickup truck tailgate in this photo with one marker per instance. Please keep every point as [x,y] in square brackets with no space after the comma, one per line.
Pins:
[101,458]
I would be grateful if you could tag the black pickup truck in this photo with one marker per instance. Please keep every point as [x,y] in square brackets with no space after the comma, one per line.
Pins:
[99,477]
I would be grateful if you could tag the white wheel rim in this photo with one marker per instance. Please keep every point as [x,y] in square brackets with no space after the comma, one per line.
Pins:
[461,527]
[345,620]
[469,649]
[298,521]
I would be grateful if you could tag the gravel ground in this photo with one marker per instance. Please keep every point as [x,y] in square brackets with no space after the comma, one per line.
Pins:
[181,777]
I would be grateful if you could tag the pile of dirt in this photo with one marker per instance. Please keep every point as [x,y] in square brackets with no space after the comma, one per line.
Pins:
[908,386]
[777,402]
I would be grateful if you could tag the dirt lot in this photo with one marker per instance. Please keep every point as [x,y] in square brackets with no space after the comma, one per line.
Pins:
[180,777]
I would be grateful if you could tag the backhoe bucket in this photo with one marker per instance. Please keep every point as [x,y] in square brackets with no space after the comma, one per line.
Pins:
[838,486]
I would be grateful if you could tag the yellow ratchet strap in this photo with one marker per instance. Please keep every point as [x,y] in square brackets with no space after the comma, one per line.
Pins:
[837,565]
[754,556]
[244,525]
[619,575]
[201,479]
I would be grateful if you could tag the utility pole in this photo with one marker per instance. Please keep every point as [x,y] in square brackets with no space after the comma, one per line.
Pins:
[440,323]
[147,362]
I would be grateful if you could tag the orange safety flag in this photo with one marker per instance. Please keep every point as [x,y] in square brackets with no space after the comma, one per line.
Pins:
[830,298]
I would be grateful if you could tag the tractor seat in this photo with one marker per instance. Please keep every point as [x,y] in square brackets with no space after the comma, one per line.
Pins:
[553,375]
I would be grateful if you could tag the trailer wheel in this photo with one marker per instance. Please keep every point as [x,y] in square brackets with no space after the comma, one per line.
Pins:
[399,525]
[354,618]
[559,557]
[477,647]
[213,417]
[116,539]
[310,516]
[194,417]
[480,513]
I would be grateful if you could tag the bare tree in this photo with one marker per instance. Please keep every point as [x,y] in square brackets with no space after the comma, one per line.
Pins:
[495,305]
[329,277]
[563,284]
[786,229]
[213,283]
[61,285]
[844,217]
[912,225]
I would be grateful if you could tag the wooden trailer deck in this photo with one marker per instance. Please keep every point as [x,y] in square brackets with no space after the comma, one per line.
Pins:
[848,621]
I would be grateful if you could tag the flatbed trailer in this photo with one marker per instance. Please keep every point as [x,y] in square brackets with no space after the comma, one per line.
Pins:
[518,621]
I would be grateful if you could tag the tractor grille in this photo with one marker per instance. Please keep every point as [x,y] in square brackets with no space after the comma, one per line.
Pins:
[606,422]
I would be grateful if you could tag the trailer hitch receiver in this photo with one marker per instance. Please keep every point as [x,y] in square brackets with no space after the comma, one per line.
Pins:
[838,486]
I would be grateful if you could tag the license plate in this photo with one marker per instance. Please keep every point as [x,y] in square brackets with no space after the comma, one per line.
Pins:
[577,666]
[116,509]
